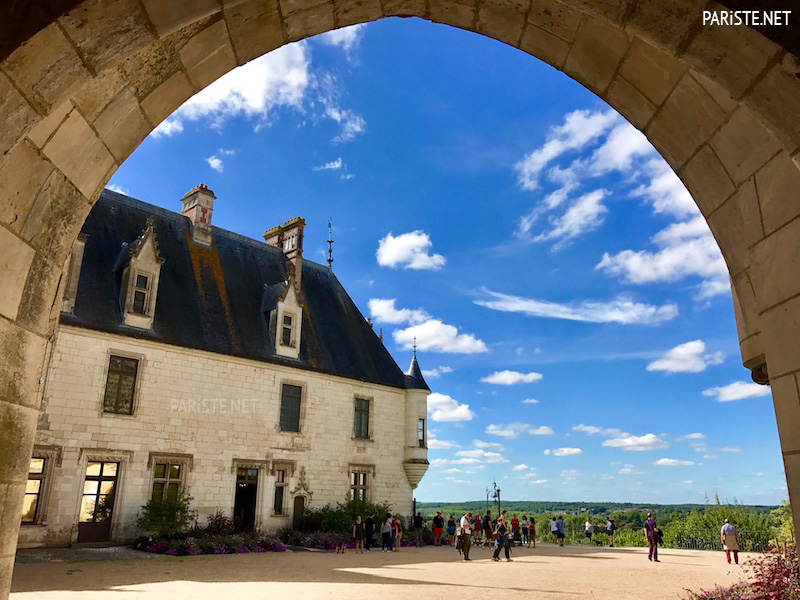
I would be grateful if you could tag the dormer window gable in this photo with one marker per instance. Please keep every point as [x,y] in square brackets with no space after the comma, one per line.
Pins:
[285,317]
[141,268]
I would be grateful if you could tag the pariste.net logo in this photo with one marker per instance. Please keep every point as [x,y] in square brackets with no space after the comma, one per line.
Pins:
[746,17]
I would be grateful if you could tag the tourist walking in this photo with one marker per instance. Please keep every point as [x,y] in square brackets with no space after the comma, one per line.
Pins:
[438,528]
[731,540]
[418,522]
[554,530]
[387,533]
[398,532]
[651,534]
[588,530]
[488,528]
[358,534]
[369,531]
[610,529]
[532,532]
[524,527]
[451,530]
[477,529]
[562,528]
[466,534]
[501,539]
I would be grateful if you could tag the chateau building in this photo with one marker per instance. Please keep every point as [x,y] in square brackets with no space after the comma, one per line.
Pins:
[192,357]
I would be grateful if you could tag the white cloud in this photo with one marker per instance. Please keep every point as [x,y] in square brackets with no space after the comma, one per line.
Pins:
[507,377]
[167,128]
[346,38]
[673,462]
[529,478]
[444,408]
[530,401]
[333,165]
[436,444]
[634,443]
[593,429]
[710,456]
[684,249]
[384,311]
[522,467]
[228,151]
[738,390]
[731,449]
[215,163]
[564,451]
[541,430]
[580,128]
[435,336]
[352,124]
[510,431]
[347,176]
[620,310]
[484,445]
[586,214]
[630,470]
[436,372]
[665,191]
[483,455]
[692,436]
[621,146]
[690,357]
[115,188]
[409,251]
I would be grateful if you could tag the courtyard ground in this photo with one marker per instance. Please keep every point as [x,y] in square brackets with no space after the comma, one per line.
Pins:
[548,572]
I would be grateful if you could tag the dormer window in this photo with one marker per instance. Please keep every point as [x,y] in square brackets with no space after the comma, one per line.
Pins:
[287,330]
[141,291]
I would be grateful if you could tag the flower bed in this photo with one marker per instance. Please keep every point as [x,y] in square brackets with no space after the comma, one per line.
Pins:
[222,544]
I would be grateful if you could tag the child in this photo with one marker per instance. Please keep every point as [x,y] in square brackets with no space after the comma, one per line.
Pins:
[340,545]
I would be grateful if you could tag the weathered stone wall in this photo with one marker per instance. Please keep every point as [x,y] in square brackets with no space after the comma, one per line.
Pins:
[238,421]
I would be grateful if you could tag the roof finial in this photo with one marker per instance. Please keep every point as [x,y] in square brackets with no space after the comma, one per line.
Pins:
[415,346]
[330,244]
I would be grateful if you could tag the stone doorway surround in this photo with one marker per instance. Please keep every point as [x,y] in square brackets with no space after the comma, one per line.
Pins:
[83,82]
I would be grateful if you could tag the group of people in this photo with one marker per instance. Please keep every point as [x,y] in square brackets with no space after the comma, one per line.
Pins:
[502,533]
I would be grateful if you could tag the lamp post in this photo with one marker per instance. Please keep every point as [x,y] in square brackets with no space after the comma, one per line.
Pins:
[496,496]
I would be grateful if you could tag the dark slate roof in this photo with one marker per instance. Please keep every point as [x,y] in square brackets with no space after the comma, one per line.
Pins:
[217,299]
[414,378]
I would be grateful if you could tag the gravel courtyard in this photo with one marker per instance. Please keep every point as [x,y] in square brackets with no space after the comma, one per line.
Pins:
[548,572]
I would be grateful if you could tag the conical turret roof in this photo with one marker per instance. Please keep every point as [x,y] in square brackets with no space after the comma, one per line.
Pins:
[414,378]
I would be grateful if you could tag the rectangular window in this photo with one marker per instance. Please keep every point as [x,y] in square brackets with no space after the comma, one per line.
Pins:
[421,433]
[358,485]
[167,480]
[141,289]
[33,491]
[290,407]
[361,419]
[120,385]
[286,331]
[280,486]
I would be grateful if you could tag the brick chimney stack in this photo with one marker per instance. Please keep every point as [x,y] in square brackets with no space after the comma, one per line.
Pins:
[289,237]
[198,204]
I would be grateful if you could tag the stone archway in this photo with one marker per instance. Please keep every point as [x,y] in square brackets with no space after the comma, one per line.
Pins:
[83,82]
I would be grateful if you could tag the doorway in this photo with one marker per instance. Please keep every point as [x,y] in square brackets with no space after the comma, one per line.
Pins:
[97,502]
[299,511]
[244,504]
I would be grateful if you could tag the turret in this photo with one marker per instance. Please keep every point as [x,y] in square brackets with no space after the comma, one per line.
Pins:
[415,457]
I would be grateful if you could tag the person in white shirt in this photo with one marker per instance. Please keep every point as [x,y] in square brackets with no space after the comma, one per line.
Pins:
[730,541]
[466,534]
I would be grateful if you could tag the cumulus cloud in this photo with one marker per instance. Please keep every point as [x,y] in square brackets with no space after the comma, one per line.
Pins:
[630,470]
[635,443]
[484,445]
[522,467]
[167,127]
[594,429]
[621,310]
[692,436]
[384,311]
[673,462]
[436,372]
[690,357]
[116,188]
[436,444]
[513,430]
[685,249]
[409,251]
[333,165]
[442,407]
[346,38]
[482,455]
[586,214]
[507,377]
[565,451]
[530,401]
[215,163]
[738,390]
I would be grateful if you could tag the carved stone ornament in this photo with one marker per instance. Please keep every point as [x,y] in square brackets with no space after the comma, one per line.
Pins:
[302,485]
[760,374]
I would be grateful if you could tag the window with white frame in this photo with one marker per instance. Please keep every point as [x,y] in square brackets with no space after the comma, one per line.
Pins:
[280,492]
[287,330]
[168,477]
[141,293]
[421,433]
[359,485]
[32,508]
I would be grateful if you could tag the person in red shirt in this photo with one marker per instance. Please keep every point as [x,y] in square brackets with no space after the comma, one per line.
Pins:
[514,525]
[477,529]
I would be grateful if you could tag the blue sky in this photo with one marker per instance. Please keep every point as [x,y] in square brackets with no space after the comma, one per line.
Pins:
[571,308]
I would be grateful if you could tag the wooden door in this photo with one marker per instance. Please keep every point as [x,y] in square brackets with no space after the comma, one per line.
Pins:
[299,510]
[97,501]
[244,504]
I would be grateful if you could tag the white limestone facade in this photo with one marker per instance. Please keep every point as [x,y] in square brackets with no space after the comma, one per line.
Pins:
[212,414]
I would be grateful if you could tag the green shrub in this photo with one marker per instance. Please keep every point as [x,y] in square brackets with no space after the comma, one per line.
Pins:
[169,517]
[340,518]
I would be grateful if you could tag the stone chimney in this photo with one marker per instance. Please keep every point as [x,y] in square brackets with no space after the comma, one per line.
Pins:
[198,204]
[289,237]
